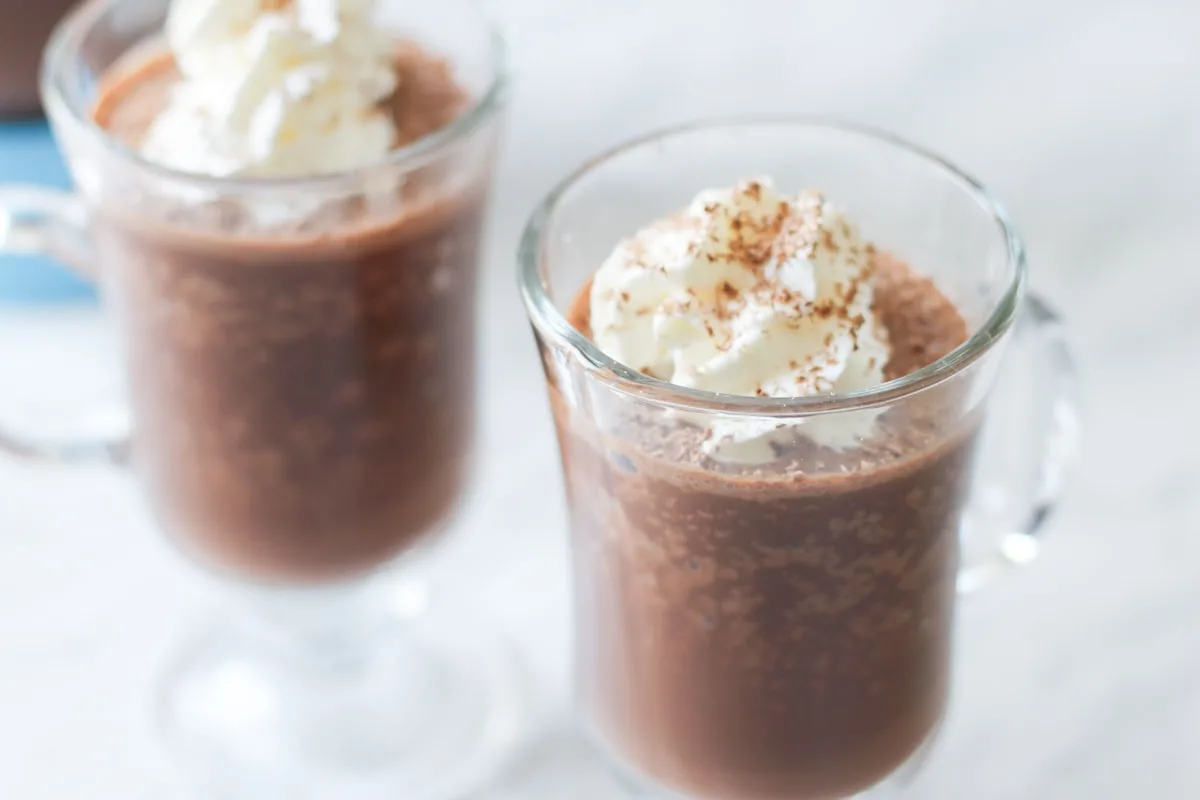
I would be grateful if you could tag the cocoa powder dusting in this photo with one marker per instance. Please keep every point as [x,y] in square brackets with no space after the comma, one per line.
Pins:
[920,323]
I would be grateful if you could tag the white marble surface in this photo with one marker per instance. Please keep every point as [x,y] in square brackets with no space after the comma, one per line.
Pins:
[1079,678]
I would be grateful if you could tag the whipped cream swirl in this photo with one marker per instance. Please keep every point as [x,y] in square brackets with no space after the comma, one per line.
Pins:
[275,88]
[747,292]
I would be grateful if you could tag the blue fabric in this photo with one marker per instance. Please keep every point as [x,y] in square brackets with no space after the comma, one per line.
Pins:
[28,155]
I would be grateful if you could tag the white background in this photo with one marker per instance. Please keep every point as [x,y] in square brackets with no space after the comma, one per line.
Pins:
[1078,679]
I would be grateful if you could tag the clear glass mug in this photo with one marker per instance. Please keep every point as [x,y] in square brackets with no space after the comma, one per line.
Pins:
[783,631]
[300,364]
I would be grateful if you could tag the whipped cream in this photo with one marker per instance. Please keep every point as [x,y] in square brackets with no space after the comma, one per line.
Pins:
[748,292]
[275,88]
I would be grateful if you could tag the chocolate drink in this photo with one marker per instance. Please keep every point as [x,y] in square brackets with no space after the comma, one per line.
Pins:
[777,632]
[25,26]
[303,399]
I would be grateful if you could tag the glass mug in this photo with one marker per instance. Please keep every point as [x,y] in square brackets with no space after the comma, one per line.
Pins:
[299,356]
[783,631]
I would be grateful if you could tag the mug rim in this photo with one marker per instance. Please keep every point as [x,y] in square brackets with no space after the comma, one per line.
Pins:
[550,322]
[71,29]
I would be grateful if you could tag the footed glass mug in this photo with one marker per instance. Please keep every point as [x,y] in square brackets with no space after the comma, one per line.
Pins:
[782,631]
[300,363]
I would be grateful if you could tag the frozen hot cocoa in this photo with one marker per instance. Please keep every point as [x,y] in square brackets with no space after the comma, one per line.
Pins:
[765,609]
[302,371]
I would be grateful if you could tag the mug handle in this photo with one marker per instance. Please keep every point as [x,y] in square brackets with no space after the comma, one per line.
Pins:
[46,222]
[1027,450]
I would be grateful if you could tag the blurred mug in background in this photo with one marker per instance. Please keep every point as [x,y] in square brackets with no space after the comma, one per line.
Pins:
[299,350]
[25,26]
